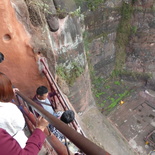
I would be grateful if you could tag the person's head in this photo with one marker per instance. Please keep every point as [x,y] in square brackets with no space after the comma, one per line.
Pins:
[1,57]
[42,93]
[6,91]
[68,116]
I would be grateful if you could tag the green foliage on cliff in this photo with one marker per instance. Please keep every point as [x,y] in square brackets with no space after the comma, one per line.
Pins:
[109,93]
[116,101]
[123,33]
[36,10]
[86,41]
[131,75]
[70,74]
[133,29]
[90,4]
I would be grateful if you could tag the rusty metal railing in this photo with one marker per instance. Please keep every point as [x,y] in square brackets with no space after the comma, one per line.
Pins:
[85,145]
[51,144]
[59,96]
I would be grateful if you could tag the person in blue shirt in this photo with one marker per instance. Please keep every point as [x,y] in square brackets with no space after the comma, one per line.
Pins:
[42,99]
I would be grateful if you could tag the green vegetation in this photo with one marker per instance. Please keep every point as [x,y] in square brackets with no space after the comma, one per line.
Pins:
[123,32]
[90,4]
[99,94]
[86,42]
[133,75]
[116,101]
[36,12]
[117,83]
[39,9]
[133,29]
[103,36]
[71,74]
[110,92]
[77,12]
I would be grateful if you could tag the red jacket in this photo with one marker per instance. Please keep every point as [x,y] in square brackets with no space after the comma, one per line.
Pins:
[9,146]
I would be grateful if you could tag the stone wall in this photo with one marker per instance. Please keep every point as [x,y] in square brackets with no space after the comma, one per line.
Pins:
[140,51]
[101,26]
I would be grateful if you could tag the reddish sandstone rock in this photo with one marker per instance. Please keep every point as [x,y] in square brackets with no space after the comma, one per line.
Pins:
[20,63]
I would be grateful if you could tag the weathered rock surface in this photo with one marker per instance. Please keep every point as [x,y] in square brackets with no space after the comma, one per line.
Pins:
[22,38]
[140,52]
[53,23]
[64,7]
[102,35]
[20,64]
[51,16]
[100,131]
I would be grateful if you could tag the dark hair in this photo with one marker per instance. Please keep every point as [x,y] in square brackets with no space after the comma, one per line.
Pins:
[41,90]
[68,116]
[1,57]
[6,91]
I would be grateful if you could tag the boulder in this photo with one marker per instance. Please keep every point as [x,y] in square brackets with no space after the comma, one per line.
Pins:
[53,23]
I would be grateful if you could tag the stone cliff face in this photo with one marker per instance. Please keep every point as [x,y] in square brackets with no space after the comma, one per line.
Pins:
[120,39]
[102,35]
[138,50]
[59,33]
[52,29]
[20,64]
[116,38]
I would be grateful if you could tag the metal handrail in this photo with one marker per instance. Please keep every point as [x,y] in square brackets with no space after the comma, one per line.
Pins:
[55,88]
[52,144]
[84,144]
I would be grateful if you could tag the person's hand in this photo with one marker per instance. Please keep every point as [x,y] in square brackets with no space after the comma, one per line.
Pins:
[15,90]
[41,123]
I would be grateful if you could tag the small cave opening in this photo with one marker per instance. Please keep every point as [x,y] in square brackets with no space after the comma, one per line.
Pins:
[6,38]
